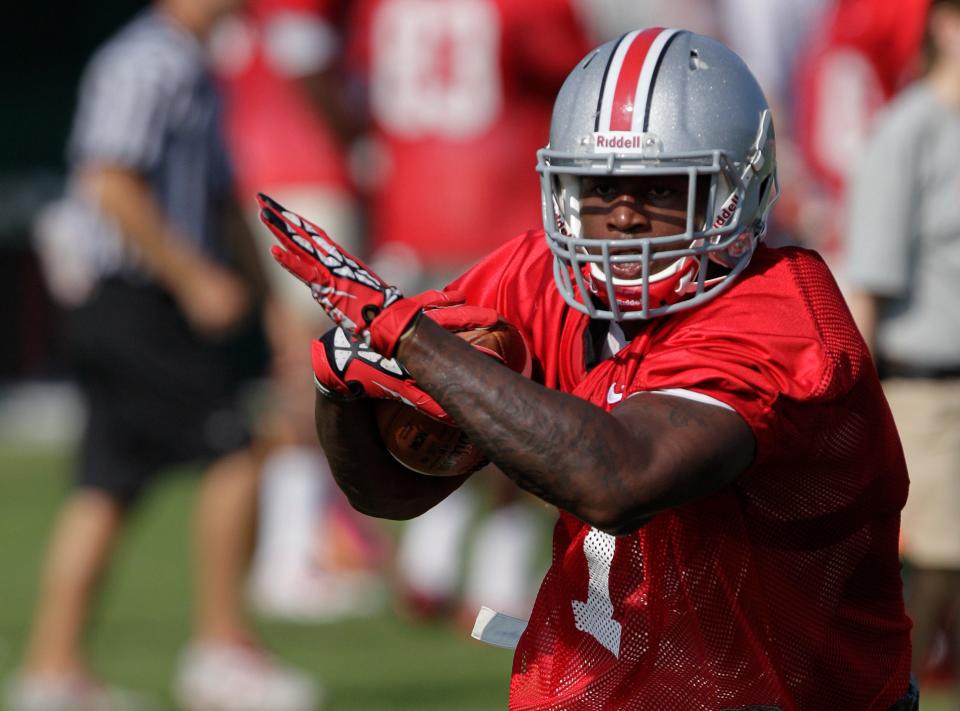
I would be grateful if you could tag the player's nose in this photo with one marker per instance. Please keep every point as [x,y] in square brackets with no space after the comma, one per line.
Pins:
[627,217]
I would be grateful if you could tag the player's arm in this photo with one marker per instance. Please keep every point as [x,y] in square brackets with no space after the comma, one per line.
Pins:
[612,470]
[372,480]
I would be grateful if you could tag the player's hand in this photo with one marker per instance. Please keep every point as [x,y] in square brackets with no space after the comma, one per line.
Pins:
[352,295]
[345,369]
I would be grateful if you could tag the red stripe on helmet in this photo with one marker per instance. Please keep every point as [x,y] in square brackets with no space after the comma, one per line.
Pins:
[625,94]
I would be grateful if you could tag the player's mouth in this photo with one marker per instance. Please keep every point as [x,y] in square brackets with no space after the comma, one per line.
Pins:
[627,270]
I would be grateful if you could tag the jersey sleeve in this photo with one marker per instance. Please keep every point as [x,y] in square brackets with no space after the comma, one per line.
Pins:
[747,371]
[775,354]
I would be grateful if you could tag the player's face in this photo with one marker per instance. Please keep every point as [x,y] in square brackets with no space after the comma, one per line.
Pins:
[631,207]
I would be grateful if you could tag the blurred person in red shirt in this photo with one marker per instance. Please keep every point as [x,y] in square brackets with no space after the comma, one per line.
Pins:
[459,93]
[288,126]
[459,96]
[771,36]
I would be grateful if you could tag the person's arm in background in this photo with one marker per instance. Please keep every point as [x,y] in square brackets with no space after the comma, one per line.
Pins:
[328,97]
[864,307]
[212,298]
[118,139]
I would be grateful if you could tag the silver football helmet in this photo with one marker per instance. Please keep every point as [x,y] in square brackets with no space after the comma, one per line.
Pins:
[659,102]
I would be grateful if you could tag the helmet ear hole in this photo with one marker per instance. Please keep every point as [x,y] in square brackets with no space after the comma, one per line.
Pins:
[765,189]
[566,195]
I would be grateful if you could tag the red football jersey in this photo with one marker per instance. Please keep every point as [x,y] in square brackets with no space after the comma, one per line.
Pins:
[782,589]
[460,95]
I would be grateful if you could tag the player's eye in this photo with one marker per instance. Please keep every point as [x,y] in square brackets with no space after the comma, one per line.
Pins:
[661,193]
[603,190]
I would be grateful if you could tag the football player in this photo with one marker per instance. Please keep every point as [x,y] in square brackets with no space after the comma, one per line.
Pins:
[702,411]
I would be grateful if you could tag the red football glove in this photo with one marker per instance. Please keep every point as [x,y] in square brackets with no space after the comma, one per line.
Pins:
[345,369]
[352,295]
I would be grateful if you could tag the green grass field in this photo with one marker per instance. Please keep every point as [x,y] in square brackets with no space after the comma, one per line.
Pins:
[379,663]
[375,663]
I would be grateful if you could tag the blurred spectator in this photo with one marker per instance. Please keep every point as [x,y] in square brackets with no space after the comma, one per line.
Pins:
[288,125]
[460,96]
[147,253]
[862,53]
[903,262]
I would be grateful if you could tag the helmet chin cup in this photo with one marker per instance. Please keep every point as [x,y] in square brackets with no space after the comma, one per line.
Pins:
[662,289]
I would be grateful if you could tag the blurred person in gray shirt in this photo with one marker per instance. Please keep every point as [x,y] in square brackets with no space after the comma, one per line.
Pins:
[903,262]
[160,284]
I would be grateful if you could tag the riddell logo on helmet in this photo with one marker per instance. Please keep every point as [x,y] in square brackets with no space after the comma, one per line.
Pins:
[619,142]
[727,211]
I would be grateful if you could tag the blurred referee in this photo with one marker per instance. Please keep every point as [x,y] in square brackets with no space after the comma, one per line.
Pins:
[159,280]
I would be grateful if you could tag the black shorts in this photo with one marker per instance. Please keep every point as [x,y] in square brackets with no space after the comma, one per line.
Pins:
[157,394]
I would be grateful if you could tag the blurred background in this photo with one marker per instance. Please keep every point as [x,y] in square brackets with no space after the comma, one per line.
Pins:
[396,125]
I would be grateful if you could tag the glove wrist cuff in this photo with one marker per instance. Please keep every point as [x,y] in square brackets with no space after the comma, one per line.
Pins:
[393,323]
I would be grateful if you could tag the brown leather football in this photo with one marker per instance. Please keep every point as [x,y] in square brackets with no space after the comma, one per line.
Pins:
[435,448]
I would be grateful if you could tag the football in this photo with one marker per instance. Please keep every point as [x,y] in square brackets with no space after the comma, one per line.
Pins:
[428,446]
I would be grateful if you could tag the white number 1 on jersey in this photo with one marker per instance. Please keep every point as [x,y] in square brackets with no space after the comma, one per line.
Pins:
[595,616]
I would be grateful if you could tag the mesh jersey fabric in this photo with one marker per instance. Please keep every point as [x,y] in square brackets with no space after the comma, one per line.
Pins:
[782,589]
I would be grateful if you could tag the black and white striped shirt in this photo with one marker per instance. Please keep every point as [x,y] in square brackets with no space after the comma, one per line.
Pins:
[148,102]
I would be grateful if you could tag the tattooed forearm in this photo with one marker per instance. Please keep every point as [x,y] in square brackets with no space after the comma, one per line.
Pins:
[611,470]
[559,447]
